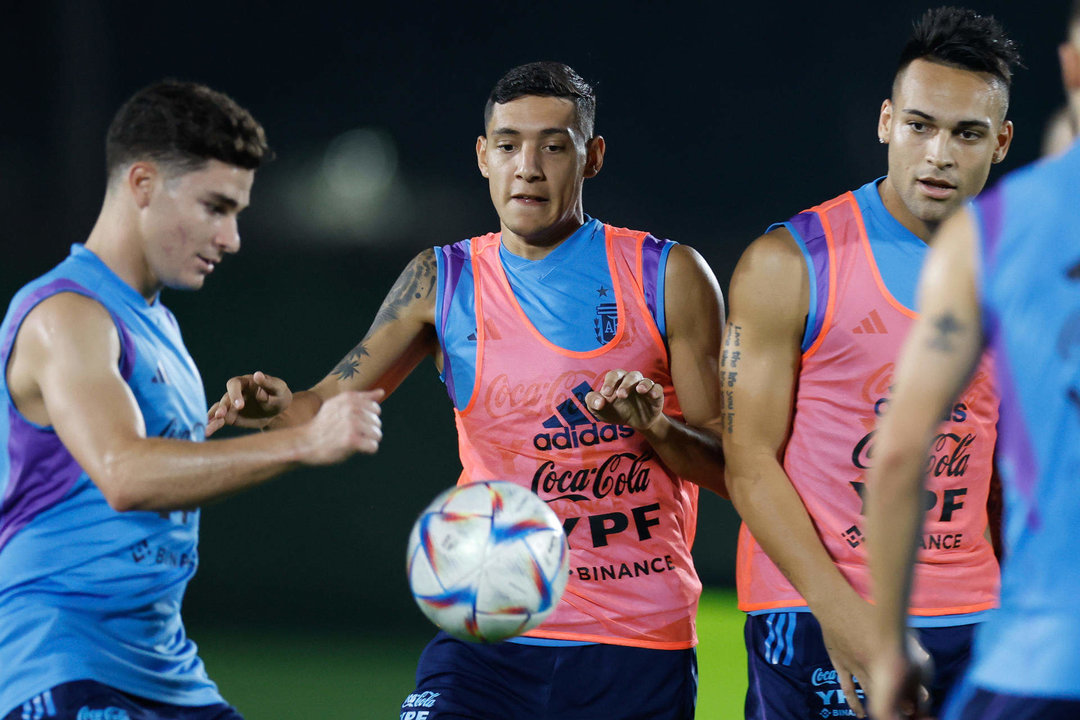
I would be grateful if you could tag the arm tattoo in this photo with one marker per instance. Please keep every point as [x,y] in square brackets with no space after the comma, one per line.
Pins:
[729,364]
[945,326]
[417,281]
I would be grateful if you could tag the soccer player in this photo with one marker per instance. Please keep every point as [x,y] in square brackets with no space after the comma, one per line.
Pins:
[582,360]
[1004,274]
[819,307]
[103,411]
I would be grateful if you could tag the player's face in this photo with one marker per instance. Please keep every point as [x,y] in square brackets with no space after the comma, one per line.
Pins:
[944,127]
[190,222]
[536,158]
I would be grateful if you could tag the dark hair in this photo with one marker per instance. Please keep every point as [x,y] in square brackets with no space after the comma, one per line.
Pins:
[184,125]
[962,38]
[547,79]
[1074,15]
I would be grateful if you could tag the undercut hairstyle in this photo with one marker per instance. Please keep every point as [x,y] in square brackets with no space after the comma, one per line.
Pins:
[183,126]
[963,39]
[546,79]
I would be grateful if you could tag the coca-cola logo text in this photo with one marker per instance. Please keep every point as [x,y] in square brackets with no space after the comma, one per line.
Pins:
[620,474]
[949,454]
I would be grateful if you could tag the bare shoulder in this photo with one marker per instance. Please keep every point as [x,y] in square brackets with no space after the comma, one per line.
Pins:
[771,278]
[685,265]
[64,319]
[692,295]
[413,293]
[65,336]
[773,254]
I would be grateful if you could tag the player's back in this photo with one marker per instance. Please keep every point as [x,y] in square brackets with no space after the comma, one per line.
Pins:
[1029,232]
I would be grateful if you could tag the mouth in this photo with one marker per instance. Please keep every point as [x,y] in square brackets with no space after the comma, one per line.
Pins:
[526,199]
[206,264]
[936,188]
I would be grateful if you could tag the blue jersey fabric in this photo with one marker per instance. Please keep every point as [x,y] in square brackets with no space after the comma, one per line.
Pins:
[572,281]
[1029,235]
[87,592]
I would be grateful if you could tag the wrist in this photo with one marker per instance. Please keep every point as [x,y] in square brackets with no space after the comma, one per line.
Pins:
[657,430]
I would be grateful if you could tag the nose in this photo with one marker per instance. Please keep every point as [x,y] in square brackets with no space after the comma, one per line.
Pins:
[529,167]
[939,150]
[228,236]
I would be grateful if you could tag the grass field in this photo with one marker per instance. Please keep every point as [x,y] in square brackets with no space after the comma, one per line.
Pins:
[275,675]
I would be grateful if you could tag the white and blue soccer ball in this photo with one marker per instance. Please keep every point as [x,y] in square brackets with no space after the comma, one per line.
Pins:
[487,561]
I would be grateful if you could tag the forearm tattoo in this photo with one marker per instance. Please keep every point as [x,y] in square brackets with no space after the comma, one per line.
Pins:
[416,282]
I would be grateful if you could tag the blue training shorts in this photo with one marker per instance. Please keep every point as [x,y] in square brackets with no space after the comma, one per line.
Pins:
[90,700]
[791,677]
[511,681]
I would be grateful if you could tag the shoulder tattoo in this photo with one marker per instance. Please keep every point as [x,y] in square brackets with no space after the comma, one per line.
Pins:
[415,284]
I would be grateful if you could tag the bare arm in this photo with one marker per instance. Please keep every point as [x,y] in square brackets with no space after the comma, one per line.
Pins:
[63,372]
[695,323]
[401,335]
[759,371]
[936,362]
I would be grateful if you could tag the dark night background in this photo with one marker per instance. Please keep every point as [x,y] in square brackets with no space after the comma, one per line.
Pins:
[719,119]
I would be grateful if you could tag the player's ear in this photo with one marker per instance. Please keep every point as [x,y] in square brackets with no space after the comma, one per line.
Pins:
[885,117]
[594,156]
[1004,140]
[141,180]
[481,155]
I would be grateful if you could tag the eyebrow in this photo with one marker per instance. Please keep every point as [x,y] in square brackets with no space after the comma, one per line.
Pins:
[545,131]
[962,123]
[225,200]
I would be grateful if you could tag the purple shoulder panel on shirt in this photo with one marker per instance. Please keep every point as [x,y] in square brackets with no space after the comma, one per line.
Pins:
[453,259]
[1014,440]
[42,472]
[127,344]
[651,250]
[812,234]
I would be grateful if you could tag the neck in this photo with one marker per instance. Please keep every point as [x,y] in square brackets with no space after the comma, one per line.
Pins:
[895,205]
[538,246]
[115,240]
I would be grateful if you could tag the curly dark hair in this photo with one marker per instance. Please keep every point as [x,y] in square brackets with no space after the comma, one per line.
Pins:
[547,79]
[184,125]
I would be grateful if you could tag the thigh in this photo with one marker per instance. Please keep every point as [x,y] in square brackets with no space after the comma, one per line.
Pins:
[789,673]
[950,649]
[91,700]
[623,683]
[456,680]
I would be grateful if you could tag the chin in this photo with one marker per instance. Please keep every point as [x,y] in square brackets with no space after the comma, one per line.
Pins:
[195,283]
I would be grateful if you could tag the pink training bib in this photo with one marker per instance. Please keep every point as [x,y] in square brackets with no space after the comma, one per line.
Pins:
[843,387]
[629,521]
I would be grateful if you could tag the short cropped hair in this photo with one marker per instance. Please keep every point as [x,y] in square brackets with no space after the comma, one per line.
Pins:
[964,39]
[183,125]
[546,79]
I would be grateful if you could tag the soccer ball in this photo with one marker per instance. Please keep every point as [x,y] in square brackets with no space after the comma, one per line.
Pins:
[487,561]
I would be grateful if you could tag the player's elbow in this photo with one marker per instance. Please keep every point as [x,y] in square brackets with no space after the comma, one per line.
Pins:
[118,495]
[117,485]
